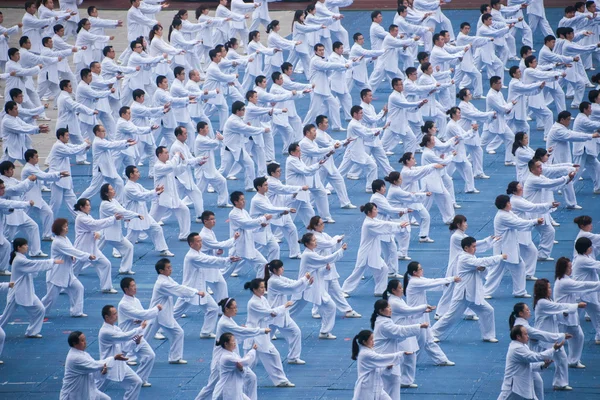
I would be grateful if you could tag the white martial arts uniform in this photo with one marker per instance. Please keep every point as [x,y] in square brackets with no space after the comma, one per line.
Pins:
[81,371]
[113,234]
[370,367]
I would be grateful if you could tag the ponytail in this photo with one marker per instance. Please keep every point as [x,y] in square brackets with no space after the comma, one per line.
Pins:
[392,285]
[272,25]
[361,338]
[378,306]
[517,308]
[458,219]
[176,22]
[18,242]
[270,268]
[411,268]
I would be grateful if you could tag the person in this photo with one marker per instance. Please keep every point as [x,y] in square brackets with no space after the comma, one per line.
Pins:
[135,197]
[130,314]
[520,316]
[207,175]
[23,293]
[584,223]
[371,119]
[4,286]
[162,96]
[521,363]
[508,226]
[113,234]
[242,223]
[231,367]
[585,269]
[370,249]
[86,235]
[81,370]
[495,102]
[62,277]
[469,292]
[103,167]
[127,129]
[18,220]
[567,290]
[327,245]
[261,315]
[165,171]
[458,227]
[279,288]
[522,208]
[315,264]
[416,287]
[195,265]
[387,336]
[16,132]
[110,340]
[35,193]
[163,292]
[584,154]
[537,188]
[370,367]
[226,324]
[138,24]
[387,212]
[460,161]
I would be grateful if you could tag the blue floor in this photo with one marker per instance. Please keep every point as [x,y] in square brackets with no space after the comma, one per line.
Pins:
[34,368]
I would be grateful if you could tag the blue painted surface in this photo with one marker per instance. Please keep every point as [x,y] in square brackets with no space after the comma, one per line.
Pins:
[34,368]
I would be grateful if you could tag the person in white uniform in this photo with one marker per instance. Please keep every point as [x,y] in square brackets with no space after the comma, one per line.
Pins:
[232,367]
[15,133]
[207,175]
[469,292]
[586,154]
[62,277]
[522,363]
[131,313]
[369,251]
[23,293]
[81,370]
[111,339]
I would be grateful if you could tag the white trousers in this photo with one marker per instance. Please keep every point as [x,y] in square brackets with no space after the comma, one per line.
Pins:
[74,291]
[591,165]
[195,195]
[494,278]
[535,21]
[369,165]
[131,382]
[59,195]
[98,180]
[155,233]
[293,336]
[102,267]
[465,169]
[36,314]
[425,340]
[174,335]
[444,203]
[379,275]
[575,344]
[529,254]
[182,214]
[210,310]
[272,363]
[547,235]
[326,309]
[145,357]
[124,247]
[317,107]
[476,154]
[337,181]
[219,183]
[290,233]
[245,162]
[457,308]
[30,230]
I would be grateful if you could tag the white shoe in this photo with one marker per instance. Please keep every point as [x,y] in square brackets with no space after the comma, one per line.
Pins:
[327,192]
[327,336]
[389,153]
[166,253]
[273,337]
[79,316]
[471,318]
[474,191]
[85,162]
[4,272]
[160,223]
[349,206]
[531,278]
[353,314]
[436,340]
[446,364]
[437,317]
[159,336]
[523,296]
[492,340]
[491,152]
[394,275]
[415,223]
[509,164]
[577,365]
[329,221]
[411,386]
[45,188]
[40,254]
[566,387]
[487,297]
[404,258]
[316,316]
[545,259]
[226,206]
[575,207]
[554,223]
[482,176]
[181,361]
[210,189]
[297,361]
[286,384]
[36,336]
[47,239]
[234,275]
[110,291]
[209,291]
[250,190]
[352,177]
[344,294]
[426,240]
[146,384]
[116,254]
[128,272]
[378,294]
[457,206]
[232,178]
[207,336]
[132,363]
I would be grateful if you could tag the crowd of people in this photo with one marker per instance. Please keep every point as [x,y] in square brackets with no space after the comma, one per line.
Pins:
[199,102]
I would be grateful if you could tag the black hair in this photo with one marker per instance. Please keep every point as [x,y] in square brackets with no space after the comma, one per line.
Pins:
[73,338]
[125,282]
[17,242]
[361,338]
[456,221]
[367,208]
[411,268]
[391,286]
[582,245]
[161,264]
[379,305]
[517,309]
[501,201]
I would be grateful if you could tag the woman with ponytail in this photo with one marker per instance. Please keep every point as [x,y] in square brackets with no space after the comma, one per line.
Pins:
[275,41]
[195,32]
[236,59]
[471,115]
[316,265]
[369,250]
[523,153]
[83,58]
[461,162]
[86,239]
[547,315]
[22,293]
[188,60]
[404,315]
[223,32]
[387,212]
[585,268]
[390,338]
[400,197]
[370,367]
[327,245]
[280,288]
[158,47]
[520,316]
[227,324]
[209,31]
[231,377]
[261,315]
[416,287]
[434,182]
[257,67]
[303,33]
[458,227]
[412,175]
[568,290]
[584,223]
